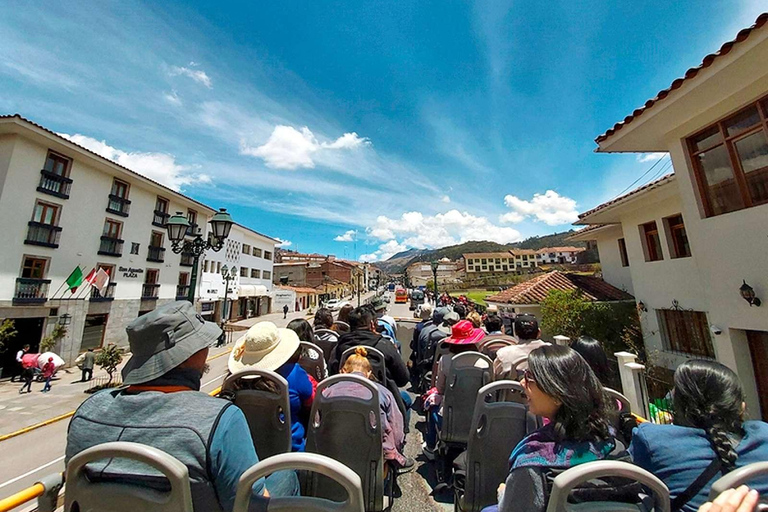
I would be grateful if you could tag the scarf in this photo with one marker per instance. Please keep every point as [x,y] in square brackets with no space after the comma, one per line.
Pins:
[540,449]
[177,379]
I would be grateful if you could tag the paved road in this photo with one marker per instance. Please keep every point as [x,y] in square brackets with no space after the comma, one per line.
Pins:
[30,456]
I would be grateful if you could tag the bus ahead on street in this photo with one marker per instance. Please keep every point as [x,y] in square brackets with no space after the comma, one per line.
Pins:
[401,296]
[417,299]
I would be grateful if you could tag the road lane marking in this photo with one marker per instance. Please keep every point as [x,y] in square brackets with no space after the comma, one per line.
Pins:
[31,472]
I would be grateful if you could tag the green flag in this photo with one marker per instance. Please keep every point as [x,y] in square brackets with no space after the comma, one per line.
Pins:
[75,279]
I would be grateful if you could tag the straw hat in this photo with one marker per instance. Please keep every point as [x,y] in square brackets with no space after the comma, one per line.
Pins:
[264,347]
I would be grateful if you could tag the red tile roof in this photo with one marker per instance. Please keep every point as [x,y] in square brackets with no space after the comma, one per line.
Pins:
[691,73]
[535,290]
[654,184]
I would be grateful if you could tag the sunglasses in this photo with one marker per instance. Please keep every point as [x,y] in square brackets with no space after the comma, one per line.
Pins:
[528,376]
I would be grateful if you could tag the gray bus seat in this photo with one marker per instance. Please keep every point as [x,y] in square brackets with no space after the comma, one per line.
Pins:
[497,427]
[738,477]
[493,345]
[375,357]
[85,495]
[313,462]
[568,480]
[623,400]
[441,349]
[263,397]
[312,360]
[469,372]
[326,339]
[348,429]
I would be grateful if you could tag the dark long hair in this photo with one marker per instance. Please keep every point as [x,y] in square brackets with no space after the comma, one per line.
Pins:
[302,328]
[564,375]
[592,352]
[708,395]
[344,313]
[323,318]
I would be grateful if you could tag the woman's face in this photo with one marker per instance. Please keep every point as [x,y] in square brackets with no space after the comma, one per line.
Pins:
[539,403]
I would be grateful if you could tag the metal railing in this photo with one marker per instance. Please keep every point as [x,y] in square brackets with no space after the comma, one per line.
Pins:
[31,291]
[149,290]
[46,235]
[54,184]
[160,218]
[118,205]
[182,292]
[156,253]
[110,246]
[109,294]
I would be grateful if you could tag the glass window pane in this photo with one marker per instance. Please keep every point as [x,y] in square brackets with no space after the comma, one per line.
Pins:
[721,188]
[707,139]
[745,119]
[753,155]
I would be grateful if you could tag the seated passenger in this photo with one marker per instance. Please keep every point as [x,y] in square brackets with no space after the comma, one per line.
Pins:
[593,353]
[393,430]
[463,338]
[164,408]
[709,437]
[265,347]
[425,314]
[562,388]
[326,340]
[343,317]
[528,333]
[475,318]
[380,307]
[494,326]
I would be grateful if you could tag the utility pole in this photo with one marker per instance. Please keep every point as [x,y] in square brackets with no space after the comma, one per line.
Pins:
[358,290]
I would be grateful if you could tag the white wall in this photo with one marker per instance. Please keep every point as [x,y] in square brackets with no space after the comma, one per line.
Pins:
[610,259]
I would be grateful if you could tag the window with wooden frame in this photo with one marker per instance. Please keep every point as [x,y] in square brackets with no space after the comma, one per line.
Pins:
[46,213]
[686,332]
[243,271]
[677,237]
[156,239]
[255,273]
[257,252]
[57,164]
[267,255]
[112,228]
[120,189]
[151,276]
[651,241]
[246,249]
[33,267]
[730,161]
[623,253]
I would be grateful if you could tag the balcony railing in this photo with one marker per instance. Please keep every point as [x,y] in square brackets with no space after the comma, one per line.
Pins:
[111,246]
[192,229]
[109,294]
[54,184]
[43,234]
[156,254]
[118,205]
[160,218]
[182,292]
[187,259]
[31,291]
[149,291]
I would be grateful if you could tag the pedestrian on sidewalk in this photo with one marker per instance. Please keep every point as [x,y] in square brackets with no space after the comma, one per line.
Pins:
[20,363]
[48,370]
[89,358]
[285,311]
[27,375]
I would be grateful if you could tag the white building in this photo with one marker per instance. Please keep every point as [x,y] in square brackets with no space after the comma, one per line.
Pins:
[420,273]
[515,260]
[75,208]
[250,292]
[558,255]
[685,244]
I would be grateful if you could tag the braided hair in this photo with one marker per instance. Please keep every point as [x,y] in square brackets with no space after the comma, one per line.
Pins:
[708,395]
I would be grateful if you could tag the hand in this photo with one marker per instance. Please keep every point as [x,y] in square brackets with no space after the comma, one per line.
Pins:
[733,500]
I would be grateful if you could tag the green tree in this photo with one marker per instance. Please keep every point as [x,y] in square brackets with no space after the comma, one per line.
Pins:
[562,311]
[109,358]
[7,332]
[49,342]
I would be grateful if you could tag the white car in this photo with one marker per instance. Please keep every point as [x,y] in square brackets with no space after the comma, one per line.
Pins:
[335,304]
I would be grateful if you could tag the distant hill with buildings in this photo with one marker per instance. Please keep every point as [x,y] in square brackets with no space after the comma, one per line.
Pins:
[400,261]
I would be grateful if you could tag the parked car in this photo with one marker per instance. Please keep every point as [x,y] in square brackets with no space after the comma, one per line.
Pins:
[335,304]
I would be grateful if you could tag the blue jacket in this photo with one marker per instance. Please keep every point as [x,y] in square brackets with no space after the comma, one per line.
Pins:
[299,392]
[678,455]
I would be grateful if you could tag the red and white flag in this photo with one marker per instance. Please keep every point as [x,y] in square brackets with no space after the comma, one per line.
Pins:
[99,279]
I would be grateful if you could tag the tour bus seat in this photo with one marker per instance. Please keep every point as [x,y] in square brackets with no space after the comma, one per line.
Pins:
[564,484]
[311,462]
[326,339]
[374,356]
[341,327]
[469,372]
[441,349]
[493,345]
[738,477]
[348,429]
[621,399]
[312,360]
[85,495]
[497,427]
[266,407]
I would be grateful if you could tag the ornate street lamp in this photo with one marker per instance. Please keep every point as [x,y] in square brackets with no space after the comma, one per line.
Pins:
[177,226]
[434,264]
[227,275]
[748,294]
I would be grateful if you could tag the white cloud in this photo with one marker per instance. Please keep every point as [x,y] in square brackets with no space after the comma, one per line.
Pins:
[650,157]
[284,243]
[384,252]
[550,208]
[289,148]
[172,97]
[368,257]
[160,167]
[348,236]
[198,75]
[445,199]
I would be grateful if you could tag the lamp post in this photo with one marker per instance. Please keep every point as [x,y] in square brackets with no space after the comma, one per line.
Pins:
[177,226]
[358,290]
[227,275]
[434,265]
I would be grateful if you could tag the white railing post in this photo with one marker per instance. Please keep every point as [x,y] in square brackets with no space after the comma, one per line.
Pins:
[628,387]
[562,340]
[639,390]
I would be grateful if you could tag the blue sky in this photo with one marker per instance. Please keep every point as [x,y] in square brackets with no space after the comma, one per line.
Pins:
[362,128]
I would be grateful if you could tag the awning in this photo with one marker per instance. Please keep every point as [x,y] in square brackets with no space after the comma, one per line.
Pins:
[251,290]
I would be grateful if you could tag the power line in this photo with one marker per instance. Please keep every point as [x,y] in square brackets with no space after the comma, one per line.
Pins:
[642,176]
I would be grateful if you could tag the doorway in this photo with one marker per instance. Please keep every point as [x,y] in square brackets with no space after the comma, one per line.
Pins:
[93,332]
[758,349]
[29,331]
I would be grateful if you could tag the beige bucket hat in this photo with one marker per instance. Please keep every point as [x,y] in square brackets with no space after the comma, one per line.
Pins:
[264,347]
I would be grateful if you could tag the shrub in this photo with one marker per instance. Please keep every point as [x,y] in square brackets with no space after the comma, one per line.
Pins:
[49,342]
[7,332]
[109,358]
